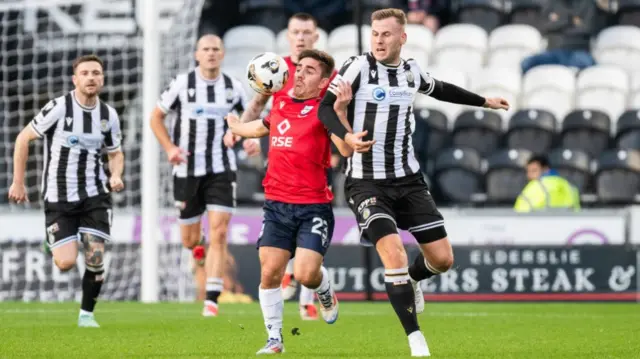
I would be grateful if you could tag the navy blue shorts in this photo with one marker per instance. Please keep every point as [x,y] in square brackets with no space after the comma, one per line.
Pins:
[289,226]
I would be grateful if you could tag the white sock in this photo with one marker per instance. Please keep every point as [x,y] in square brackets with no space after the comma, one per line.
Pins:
[272,310]
[84,312]
[289,269]
[306,296]
[214,284]
[325,284]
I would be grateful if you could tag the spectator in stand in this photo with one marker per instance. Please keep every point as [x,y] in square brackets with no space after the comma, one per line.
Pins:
[430,13]
[329,13]
[568,26]
[546,189]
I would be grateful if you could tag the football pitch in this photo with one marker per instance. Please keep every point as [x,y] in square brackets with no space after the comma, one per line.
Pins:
[363,330]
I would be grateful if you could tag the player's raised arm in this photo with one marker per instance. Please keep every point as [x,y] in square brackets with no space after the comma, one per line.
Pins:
[253,129]
[168,101]
[38,127]
[254,108]
[113,143]
[448,92]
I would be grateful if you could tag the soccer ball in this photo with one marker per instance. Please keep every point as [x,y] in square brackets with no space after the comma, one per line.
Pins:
[267,73]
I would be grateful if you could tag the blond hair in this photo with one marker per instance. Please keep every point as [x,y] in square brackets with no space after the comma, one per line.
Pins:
[382,14]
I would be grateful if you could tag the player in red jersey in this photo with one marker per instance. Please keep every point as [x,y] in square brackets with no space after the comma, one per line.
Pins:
[298,217]
[302,34]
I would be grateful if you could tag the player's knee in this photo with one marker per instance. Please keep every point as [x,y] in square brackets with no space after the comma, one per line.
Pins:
[443,262]
[391,251]
[218,233]
[308,277]
[93,252]
[64,264]
[271,276]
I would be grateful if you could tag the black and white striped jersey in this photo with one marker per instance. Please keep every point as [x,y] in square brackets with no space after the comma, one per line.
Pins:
[199,126]
[383,105]
[74,136]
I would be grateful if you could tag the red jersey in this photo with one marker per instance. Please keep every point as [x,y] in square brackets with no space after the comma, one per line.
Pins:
[292,74]
[299,153]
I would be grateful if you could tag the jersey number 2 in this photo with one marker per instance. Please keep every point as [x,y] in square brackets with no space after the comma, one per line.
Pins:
[320,227]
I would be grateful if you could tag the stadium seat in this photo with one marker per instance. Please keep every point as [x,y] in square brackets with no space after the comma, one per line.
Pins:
[267,13]
[487,14]
[448,74]
[431,133]
[510,44]
[533,130]
[418,45]
[458,174]
[628,12]
[342,44]
[527,12]
[477,129]
[628,131]
[282,43]
[498,82]
[634,90]
[573,165]
[619,46]
[604,88]
[242,43]
[506,175]
[462,46]
[617,178]
[586,130]
[549,87]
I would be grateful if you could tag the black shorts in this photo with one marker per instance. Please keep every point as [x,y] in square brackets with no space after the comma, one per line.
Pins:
[405,201]
[65,220]
[212,192]
[289,226]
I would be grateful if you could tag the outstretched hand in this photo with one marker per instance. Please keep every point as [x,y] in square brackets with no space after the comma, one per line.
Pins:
[496,103]
[354,140]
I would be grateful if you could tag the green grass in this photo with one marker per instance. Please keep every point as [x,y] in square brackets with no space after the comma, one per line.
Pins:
[364,330]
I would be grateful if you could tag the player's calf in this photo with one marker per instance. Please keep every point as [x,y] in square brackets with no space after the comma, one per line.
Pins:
[93,277]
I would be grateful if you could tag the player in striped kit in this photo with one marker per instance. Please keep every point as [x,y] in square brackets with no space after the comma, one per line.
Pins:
[385,188]
[302,34]
[204,168]
[75,188]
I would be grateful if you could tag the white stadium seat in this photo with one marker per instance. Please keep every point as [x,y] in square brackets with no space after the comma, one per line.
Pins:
[448,74]
[418,45]
[342,44]
[242,43]
[634,91]
[620,46]
[550,87]
[498,82]
[510,44]
[282,44]
[603,88]
[460,45]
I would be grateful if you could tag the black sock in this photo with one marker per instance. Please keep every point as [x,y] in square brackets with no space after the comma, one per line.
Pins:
[91,285]
[214,288]
[419,271]
[401,296]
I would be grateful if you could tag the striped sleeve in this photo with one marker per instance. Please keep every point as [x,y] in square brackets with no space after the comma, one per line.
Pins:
[427,83]
[50,114]
[171,95]
[350,72]
[113,137]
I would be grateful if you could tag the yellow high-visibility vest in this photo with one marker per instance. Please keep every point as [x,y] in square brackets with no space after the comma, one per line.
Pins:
[548,192]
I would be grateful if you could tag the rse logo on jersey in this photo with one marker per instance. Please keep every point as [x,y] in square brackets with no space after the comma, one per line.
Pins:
[282,141]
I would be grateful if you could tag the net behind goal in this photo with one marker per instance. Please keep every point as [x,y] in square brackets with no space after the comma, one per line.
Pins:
[38,42]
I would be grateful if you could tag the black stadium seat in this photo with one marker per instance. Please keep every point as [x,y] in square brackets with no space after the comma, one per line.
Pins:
[528,12]
[458,174]
[532,130]
[586,130]
[477,129]
[617,179]
[628,12]
[573,165]
[488,14]
[628,131]
[506,175]
[431,133]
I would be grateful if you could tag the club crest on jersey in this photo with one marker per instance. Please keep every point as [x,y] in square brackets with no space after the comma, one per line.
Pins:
[378,94]
[229,94]
[284,126]
[281,104]
[306,110]
[409,76]
[104,125]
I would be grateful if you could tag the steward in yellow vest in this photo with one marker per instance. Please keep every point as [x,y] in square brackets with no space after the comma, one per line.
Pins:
[546,189]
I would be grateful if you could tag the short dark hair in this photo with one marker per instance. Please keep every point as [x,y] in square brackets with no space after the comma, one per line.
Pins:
[326,61]
[87,58]
[303,16]
[542,160]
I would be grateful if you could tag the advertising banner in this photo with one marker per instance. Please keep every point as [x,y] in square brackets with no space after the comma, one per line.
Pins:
[480,273]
